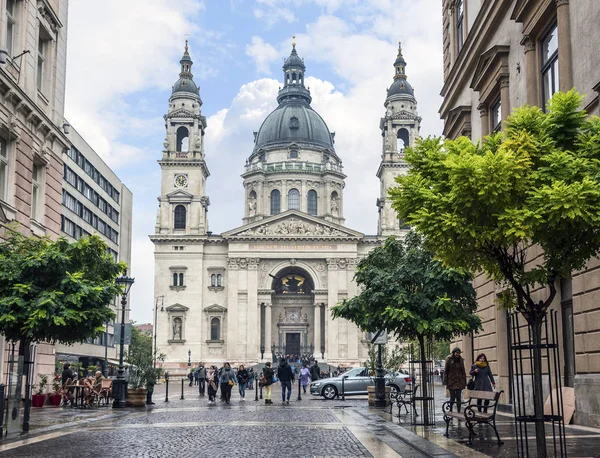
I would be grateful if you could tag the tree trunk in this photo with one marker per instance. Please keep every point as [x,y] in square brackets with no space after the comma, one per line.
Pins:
[25,351]
[538,390]
[424,378]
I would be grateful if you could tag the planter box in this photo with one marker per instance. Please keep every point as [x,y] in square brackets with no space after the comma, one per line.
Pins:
[37,400]
[55,399]
[136,397]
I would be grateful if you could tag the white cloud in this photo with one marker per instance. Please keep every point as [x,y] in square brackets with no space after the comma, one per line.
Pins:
[262,53]
[272,13]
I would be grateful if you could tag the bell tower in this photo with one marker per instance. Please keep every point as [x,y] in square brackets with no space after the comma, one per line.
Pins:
[399,129]
[183,203]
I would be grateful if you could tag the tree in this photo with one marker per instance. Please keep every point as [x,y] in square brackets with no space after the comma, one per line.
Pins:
[142,373]
[482,206]
[412,295]
[392,358]
[54,291]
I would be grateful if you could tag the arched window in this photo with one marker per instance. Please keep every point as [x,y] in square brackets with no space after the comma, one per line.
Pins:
[293,78]
[181,279]
[311,198]
[180,217]
[293,199]
[213,280]
[403,140]
[219,280]
[215,329]
[174,279]
[183,139]
[275,202]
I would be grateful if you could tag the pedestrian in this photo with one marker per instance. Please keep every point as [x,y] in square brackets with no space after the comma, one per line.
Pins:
[315,372]
[285,374]
[455,377]
[212,385]
[267,379]
[251,375]
[304,377]
[201,370]
[227,380]
[190,376]
[484,380]
[196,377]
[243,378]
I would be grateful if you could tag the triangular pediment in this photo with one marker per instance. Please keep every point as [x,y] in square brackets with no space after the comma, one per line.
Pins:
[292,225]
[215,308]
[182,113]
[179,195]
[177,308]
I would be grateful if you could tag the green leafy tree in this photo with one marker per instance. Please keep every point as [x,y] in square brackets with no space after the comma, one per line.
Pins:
[392,358]
[54,291]
[482,206]
[140,357]
[412,295]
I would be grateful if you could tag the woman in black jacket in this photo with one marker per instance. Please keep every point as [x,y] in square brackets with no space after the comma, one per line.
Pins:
[243,378]
[484,379]
[268,374]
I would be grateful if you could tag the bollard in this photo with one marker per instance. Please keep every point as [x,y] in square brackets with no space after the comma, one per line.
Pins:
[343,394]
[167,387]
[261,392]
[255,389]
[181,389]
[299,390]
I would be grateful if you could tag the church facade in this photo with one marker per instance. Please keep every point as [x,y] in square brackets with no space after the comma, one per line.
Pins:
[267,286]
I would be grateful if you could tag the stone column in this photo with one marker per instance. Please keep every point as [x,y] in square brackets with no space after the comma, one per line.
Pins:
[504,97]
[485,119]
[354,334]
[531,71]
[317,330]
[268,336]
[331,327]
[253,322]
[232,308]
[303,198]
[565,67]
[283,202]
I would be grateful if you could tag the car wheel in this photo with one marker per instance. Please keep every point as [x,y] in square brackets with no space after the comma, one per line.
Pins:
[329,392]
[394,389]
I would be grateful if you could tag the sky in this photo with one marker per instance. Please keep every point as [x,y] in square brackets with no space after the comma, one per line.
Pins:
[123,58]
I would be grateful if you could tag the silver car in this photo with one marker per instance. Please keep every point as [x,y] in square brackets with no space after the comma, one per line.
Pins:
[356,381]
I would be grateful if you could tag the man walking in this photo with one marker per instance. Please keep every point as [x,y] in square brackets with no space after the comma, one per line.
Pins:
[285,374]
[315,372]
[201,371]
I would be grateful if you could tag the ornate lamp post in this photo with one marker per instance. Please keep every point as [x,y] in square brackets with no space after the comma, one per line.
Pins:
[262,351]
[189,358]
[162,308]
[120,384]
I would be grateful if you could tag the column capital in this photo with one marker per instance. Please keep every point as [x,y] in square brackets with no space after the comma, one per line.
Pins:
[529,43]
[560,3]
[503,81]
[332,263]
[483,110]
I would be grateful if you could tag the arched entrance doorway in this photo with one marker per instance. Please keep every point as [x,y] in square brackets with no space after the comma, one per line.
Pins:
[293,313]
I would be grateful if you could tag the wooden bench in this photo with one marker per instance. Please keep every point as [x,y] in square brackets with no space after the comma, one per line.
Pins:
[404,399]
[471,413]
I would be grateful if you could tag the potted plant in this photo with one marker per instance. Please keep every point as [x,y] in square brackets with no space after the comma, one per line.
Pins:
[39,397]
[55,397]
[142,373]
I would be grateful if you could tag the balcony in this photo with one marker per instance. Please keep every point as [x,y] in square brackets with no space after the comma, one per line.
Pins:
[293,166]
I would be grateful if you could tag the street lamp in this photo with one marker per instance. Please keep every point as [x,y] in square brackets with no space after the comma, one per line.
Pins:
[162,308]
[262,351]
[189,358]
[120,384]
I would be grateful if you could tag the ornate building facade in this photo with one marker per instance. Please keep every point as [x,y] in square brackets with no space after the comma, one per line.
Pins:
[267,286]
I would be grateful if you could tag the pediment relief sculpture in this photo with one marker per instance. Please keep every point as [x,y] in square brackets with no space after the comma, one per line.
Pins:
[294,226]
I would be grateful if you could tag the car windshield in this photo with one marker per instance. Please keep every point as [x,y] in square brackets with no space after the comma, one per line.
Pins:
[354,372]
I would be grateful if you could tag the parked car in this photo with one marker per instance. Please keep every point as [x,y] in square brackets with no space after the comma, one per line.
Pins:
[356,381]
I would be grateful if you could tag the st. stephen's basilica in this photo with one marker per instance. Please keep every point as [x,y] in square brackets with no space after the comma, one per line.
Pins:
[268,285]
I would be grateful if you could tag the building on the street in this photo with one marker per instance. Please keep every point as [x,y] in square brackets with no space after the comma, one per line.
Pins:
[94,201]
[499,55]
[267,286]
[146,328]
[33,40]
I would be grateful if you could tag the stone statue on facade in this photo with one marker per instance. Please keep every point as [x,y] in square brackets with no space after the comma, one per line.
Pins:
[334,206]
[177,329]
[251,206]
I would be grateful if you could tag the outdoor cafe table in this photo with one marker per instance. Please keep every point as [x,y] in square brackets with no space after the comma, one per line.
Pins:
[78,394]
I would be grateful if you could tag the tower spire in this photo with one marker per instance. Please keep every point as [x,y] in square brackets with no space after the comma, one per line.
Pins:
[400,64]
[293,78]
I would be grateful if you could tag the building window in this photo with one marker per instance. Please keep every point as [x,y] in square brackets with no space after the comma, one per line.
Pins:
[42,60]
[311,200]
[460,19]
[178,279]
[496,115]
[180,217]
[215,329]
[549,65]
[294,154]
[3,168]
[213,280]
[293,199]
[275,202]
[37,180]
[402,140]
[219,280]
[10,26]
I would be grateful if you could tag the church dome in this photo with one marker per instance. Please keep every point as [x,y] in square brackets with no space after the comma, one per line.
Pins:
[185,85]
[294,122]
[400,86]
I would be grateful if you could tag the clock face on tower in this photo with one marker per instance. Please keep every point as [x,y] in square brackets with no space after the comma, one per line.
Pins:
[181,181]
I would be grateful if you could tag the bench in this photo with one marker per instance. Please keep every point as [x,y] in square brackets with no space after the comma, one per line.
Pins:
[471,413]
[404,399]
